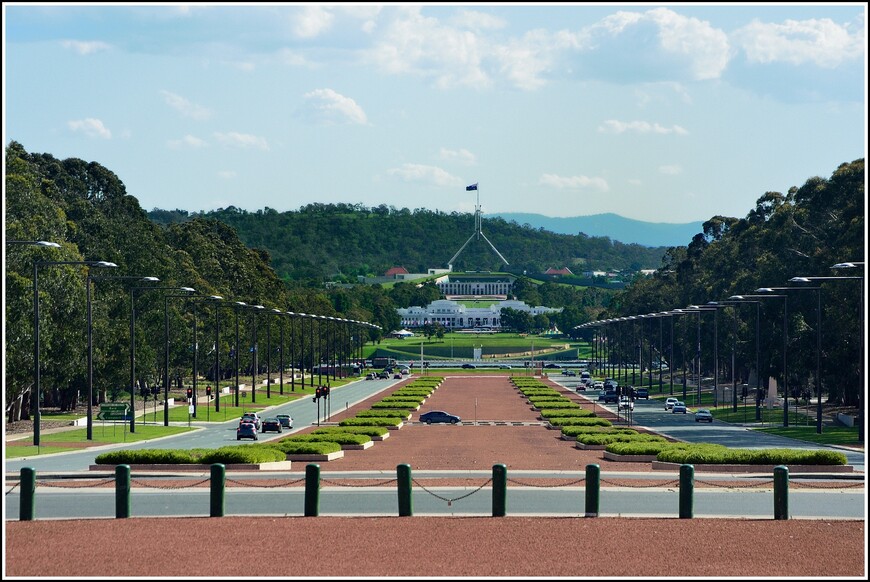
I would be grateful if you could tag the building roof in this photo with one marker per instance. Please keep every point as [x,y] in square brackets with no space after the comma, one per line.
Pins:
[562,271]
[396,271]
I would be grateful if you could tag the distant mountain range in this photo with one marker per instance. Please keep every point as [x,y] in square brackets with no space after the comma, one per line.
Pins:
[618,228]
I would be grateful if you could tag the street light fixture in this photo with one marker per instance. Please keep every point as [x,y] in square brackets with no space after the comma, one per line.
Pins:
[237,306]
[37,391]
[742,299]
[166,351]
[214,298]
[765,293]
[861,396]
[90,419]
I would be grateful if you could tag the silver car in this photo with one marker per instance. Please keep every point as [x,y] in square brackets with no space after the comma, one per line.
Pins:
[703,415]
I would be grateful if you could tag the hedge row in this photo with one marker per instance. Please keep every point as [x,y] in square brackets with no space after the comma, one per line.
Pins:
[226,455]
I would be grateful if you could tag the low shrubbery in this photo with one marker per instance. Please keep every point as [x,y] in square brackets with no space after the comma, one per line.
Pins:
[718,454]
[228,455]
[340,437]
[400,412]
[372,421]
[400,404]
[549,413]
[573,431]
[372,431]
[639,447]
[578,421]
[607,438]
[291,447]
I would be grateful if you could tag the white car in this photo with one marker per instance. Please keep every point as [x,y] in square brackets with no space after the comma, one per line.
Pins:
[625,403]
[669,403]
[598,385]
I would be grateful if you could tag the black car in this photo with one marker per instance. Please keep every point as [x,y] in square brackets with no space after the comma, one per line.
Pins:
[551,365]
[439,416]
[246,430]
[469,366]
[272,425]
[641,393]
[383,375]
[285,419]
[610,396]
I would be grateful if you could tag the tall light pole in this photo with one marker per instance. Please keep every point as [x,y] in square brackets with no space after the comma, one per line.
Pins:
[698,309]
[90,420]
[254,350]
[196,345]
[862,402]
[767,295]
[742,299]
[37,391]
[818,339]
[166,351]
[237,306]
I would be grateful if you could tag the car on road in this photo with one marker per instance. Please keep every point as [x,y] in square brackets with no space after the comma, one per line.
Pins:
[271,425]
[405,371]
[569,372]
[610,384]
[397,376]
[625,403]
[598,385]
[285,419]
[679,407]
[703,415]
[609,397]
[552,365]
[504,366]
[641,393]
[384,375]
[581,387]
[371,376]
[468,366]
[669,403]
[246,430]
[255,418]
[439,416]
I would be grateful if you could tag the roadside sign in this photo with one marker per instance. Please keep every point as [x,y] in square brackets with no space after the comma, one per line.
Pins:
[190,409]
[112,411]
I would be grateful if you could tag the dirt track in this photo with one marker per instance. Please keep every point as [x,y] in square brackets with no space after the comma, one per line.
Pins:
[432,547]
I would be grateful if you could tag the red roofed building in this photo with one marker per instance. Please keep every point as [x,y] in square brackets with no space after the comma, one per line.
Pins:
[556,272]
[396,271]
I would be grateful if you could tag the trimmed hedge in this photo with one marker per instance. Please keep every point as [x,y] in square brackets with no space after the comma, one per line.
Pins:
[640,447]
[397,405]
[566,413]
[372,431]
[307,447]
[573,431]
[400,412]
[553,405]
[340,437]
[717,454]
[372,421]
[579,421]
[607,438]
[231,454]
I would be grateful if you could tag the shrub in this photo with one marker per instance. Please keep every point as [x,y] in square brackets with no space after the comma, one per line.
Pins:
[713,454]
[340,437]
[578,421]
[252,454]
[566,413]
[553,405]
[573,431]
[307,448]
[400,412]
[639,447]
[607,438]
[397,405]
[372,421]
[371,431]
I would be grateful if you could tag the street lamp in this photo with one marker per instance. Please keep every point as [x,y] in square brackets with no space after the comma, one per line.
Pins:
[196,345]
[90,419]
[254,362]
[166,351]
[237,306]
[37,390]
[698,309]
[766,294]
[742,299]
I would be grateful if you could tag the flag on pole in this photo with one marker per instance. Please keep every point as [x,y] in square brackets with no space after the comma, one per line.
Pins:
[472,187]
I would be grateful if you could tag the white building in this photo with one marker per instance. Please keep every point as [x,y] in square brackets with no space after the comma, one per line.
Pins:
[454,315]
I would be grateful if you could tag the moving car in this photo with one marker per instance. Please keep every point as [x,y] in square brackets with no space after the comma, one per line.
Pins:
[598,385]
[641,393]
[285,419]
[272,425]
[703,415]
[246,430]
[254,417]
[469,366]
[371,376]
[384,375]
[625,403]
[609,397]
[552,365]
[569,372]
[669,403]
[504,366]
[397,376]
[679,407]
[439,416]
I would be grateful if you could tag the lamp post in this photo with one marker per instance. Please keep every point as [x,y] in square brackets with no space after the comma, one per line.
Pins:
[90,419]
[698,309]
[237,306]
[196,346]
[166,351]
[254,350]
[863,362]
[742,299]
[818,339]
[784,298]
[37,390]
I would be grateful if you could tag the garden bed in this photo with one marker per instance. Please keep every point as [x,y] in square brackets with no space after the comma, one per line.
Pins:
[747,468]
[274,466]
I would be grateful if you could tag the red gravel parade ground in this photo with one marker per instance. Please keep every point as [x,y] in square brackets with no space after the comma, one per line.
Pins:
[438,547]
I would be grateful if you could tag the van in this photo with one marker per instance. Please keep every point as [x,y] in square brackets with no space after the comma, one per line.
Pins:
[584,375]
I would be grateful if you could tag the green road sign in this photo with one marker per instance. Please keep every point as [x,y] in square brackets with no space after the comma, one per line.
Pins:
[112,412]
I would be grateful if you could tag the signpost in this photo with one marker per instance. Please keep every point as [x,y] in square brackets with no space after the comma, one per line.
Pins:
[112,411]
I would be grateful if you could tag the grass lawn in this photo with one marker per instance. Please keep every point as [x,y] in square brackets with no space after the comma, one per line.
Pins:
[102,434]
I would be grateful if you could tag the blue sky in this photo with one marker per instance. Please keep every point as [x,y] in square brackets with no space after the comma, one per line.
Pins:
[658,112]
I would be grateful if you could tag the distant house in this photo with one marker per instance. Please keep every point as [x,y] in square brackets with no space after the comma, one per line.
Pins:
[394,272]
[564,271]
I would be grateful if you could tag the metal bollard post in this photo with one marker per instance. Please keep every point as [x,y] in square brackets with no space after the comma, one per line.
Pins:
[780,492]
[312,490]
[687,490]
[122,491]
[27,484]
[593,489]
[403,474]
[499,490]
[218,482]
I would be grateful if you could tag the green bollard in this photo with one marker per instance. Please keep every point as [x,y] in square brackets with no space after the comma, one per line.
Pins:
[780,492]
[122,491]
[499,490]
[28,494]
[218,483]
[593,489]
[687,490]
[403,475]
[312,490]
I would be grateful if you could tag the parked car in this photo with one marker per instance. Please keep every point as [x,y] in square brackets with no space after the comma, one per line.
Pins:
[703,415]
[439,416]
[469,366]
[669,403]
[254,417]
[679,407]
[285,419]
[610,397]
[246,430]
[641,393]
[625,403]
[272,425]
[569,372]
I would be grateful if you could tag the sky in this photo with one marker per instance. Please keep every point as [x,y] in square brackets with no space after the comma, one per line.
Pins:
[668,113]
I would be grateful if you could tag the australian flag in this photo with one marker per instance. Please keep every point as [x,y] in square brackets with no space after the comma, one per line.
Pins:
[472,187]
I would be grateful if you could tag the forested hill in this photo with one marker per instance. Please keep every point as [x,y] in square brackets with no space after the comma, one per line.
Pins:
[320,241]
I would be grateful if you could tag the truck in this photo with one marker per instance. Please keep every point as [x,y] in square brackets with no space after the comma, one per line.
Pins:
[382,362]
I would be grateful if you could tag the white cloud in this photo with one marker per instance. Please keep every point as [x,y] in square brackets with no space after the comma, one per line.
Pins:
[85,47]
[242,140]
[616,126]
[431,175]
[574,182]
[188,141]
[821,42]
[226,174]
[90,127]
[185,107]
[462,156]
[671,170]
[327,106]
[311,21]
